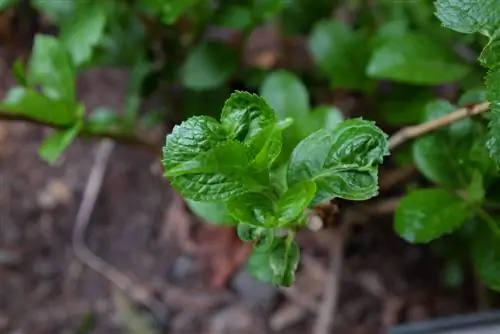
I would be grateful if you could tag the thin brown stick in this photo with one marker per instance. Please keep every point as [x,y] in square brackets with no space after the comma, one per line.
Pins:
[328,308]
[124,138]
[84,254]
[411,132]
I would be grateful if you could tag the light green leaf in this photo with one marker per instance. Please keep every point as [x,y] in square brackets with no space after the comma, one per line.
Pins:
[208,65]
[102,120]
[82,33]
[53,146]
[426,214]
[389,31]
[486,256]
[321,117]
[340,53]
[27,102]
[211,212]
[254,209]
[50,66]
[295,201]
[469,16]
[250,233]
[415,59]
[56,10]
[343,163]
[259,267]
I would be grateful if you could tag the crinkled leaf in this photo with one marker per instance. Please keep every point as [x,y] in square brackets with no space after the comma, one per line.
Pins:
[343,162]
[50,66]
[426,214]
[486,255]
[321,117]
[53,146]
[27,102]
[469,16]
[341,53]
[82,33]
[415,59]
[250,233]
[295,201]
[253,209]
[208,65]
[211,212]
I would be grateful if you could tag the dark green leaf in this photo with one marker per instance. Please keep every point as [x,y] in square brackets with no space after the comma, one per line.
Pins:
[265,10]
[341,53]
[7,3]
[172,10]
[208,65]
[82,33]
[19,73]
[476,190]
[426,214]
[53,146]
[253,209]
[50,66]
[486,256]
[472,96]
[235,17]
[405,106]
[415,59]
[469,16]
[27,102]
[295,201]
[343,163]
[211,212]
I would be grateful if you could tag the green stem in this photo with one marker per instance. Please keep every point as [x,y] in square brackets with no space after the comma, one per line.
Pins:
[485,216]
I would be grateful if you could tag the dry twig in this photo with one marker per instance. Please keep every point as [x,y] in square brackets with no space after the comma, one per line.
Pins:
[136,292]
[411,132]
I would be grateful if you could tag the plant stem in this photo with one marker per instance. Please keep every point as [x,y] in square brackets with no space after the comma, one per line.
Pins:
[411,132]
[485,216]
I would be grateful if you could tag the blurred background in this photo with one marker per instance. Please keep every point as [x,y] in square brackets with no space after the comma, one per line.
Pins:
[142,66]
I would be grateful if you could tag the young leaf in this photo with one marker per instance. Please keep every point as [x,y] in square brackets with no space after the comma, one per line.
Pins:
[341,53]
[415,59]
[250,233]
[469,16]
[80,34]
[211,212]
[295,201]
[259,267]
[53,146]
[343,163]
[50,66]
[254,209]
[208,65]
[27,102]
[426,214]
[283,261]
[486,256]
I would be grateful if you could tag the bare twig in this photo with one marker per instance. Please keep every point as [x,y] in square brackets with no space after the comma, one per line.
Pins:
[125,138]
[410,132]
[84,254]
[328,307]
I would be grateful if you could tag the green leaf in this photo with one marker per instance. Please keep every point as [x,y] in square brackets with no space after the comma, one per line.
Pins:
[250,233]
[426,214]
[476,191]
[405,106]
[493,94]
[254,209]
[321,117]
[82,33]
[211,212]
[486,256]
[415,59]
[54,146]
[50,66]
[469,16]
[19,73]
[265,10]
[472,96]
[340,53]
[172,10]
[56,10]
[7,3]
[277,263]
[286,94]
[27,102]
[490,56]
[102,120]
[211,161]
[293,203]
[208,65]
[235,17]
[443,156]
[343,163]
